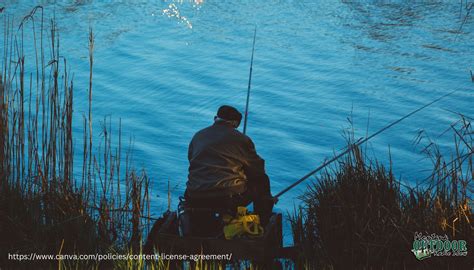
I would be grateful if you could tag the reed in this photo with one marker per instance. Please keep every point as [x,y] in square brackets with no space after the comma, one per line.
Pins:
[357,215]
[44,206]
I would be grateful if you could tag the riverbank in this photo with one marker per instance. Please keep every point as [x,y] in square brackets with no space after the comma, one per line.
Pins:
[358,215]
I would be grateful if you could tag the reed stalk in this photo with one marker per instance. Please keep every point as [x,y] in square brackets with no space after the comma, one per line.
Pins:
[43,206]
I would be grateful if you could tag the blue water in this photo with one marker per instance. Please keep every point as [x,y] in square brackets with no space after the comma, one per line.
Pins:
[165,67]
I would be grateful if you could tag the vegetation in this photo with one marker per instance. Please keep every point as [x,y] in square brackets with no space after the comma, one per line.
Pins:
[358,216]
[46,206]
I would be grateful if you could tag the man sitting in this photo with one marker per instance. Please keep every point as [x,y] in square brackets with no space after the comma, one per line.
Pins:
[225,172]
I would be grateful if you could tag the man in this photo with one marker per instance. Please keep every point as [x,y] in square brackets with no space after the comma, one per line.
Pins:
[225,170]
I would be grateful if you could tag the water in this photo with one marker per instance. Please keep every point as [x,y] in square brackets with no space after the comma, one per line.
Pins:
[164,68]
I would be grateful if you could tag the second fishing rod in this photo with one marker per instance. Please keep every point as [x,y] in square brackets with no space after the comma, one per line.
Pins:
[250,82]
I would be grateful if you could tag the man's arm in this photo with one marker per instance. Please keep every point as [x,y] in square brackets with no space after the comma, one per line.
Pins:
[254,168]
[253,163]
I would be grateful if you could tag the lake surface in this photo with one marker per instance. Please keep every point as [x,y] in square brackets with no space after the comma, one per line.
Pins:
[165,67]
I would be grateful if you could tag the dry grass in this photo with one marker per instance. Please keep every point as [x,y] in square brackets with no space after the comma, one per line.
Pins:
[43,206]
[358,216]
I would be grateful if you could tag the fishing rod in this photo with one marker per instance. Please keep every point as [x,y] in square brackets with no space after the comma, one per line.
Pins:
[250,81]
[359,142]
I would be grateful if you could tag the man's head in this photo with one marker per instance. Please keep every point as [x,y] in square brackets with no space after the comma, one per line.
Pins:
[229,114]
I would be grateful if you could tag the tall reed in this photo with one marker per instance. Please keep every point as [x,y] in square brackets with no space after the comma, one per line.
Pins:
[357,215]
[43,205]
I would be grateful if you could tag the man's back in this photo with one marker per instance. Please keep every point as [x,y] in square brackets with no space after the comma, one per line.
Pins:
[218,158]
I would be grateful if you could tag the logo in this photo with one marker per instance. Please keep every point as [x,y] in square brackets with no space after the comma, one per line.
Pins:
[425,246]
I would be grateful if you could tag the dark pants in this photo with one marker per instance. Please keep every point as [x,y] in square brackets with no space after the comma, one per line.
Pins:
[204,222]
